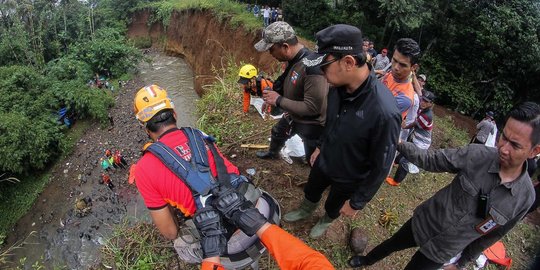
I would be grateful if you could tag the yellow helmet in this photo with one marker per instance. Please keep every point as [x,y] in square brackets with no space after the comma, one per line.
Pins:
[246,72]
[150,100]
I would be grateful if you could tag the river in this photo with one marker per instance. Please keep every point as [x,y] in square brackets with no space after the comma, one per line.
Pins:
[62,239]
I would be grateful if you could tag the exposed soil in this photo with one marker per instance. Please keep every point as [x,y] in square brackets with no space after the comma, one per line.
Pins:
[78,175]
[205,41]
[460,121]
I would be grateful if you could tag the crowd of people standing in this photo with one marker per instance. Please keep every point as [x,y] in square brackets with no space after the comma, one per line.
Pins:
[267,13]
[355,110]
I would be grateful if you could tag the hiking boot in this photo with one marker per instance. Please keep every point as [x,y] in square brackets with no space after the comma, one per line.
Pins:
[267,155]
[305,210]
[358,261]
[390,181]
[320,228]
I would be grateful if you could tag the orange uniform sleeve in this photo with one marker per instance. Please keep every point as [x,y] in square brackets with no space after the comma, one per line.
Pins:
[245,102]
[291,253]
[211,266]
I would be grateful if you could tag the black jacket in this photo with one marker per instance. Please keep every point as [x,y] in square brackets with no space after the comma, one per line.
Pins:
[360,137]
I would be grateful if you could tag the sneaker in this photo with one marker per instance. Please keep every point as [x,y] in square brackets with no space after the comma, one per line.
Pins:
[391,182]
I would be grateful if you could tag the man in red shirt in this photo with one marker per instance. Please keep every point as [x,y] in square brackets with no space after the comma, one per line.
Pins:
[163,192]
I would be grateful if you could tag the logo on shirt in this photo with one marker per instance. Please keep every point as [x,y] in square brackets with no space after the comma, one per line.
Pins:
[184,152]
[294,77]
[360,114]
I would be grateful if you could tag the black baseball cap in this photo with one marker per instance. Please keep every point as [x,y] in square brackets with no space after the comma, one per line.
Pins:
[428,96]
[340,38]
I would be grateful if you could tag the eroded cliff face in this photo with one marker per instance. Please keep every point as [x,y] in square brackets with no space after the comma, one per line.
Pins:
[204,41]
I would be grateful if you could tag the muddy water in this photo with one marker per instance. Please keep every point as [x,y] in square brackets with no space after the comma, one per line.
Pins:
[61,237]
[173,74]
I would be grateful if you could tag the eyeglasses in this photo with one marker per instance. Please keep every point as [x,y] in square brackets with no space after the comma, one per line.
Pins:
[324,65]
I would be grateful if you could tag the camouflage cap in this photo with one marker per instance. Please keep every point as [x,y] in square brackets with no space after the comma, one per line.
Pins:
[274,33]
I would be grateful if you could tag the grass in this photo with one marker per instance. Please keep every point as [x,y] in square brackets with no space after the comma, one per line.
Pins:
[220,115]
[18,198]
[138,246]
[233,12]
[220,109]
[449,136]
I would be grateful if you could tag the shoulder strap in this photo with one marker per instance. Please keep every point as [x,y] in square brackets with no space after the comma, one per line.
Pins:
[197,146]
[195,174]
[181,168]
[223,176]
[198,141]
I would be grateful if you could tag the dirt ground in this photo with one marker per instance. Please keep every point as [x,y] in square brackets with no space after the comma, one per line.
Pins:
[460,121]
[78,177]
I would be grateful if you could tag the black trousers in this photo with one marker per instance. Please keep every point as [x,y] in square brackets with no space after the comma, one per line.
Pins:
[401,240]
[401,172]
[318,181]
[286,128]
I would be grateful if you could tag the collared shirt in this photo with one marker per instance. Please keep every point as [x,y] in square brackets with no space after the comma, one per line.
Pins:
[444,225]
[421,134]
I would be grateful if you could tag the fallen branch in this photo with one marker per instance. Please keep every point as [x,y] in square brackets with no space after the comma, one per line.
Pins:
[254,146]
[229,147]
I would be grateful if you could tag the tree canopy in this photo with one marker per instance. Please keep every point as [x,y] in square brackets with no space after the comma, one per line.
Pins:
[49,50]
[478,55]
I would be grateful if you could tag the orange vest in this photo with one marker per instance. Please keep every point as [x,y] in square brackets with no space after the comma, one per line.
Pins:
[248,91]
[396,88]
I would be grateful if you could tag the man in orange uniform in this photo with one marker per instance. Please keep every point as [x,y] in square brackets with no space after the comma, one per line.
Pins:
[252,84]
[404,63]
[289,251]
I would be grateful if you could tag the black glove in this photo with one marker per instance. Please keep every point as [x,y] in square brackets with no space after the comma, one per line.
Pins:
[208,223]
[240,212]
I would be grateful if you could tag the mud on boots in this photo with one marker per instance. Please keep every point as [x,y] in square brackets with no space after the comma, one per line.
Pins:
[304,211]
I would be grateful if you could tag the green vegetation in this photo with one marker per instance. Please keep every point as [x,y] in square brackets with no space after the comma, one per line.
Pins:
[478,55]
[220,113]
[19,197]
[232,12]
[451,137]
[138,246]
[49,50]
[46,68]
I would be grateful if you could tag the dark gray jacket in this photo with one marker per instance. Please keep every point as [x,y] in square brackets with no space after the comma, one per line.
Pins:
[444,225]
